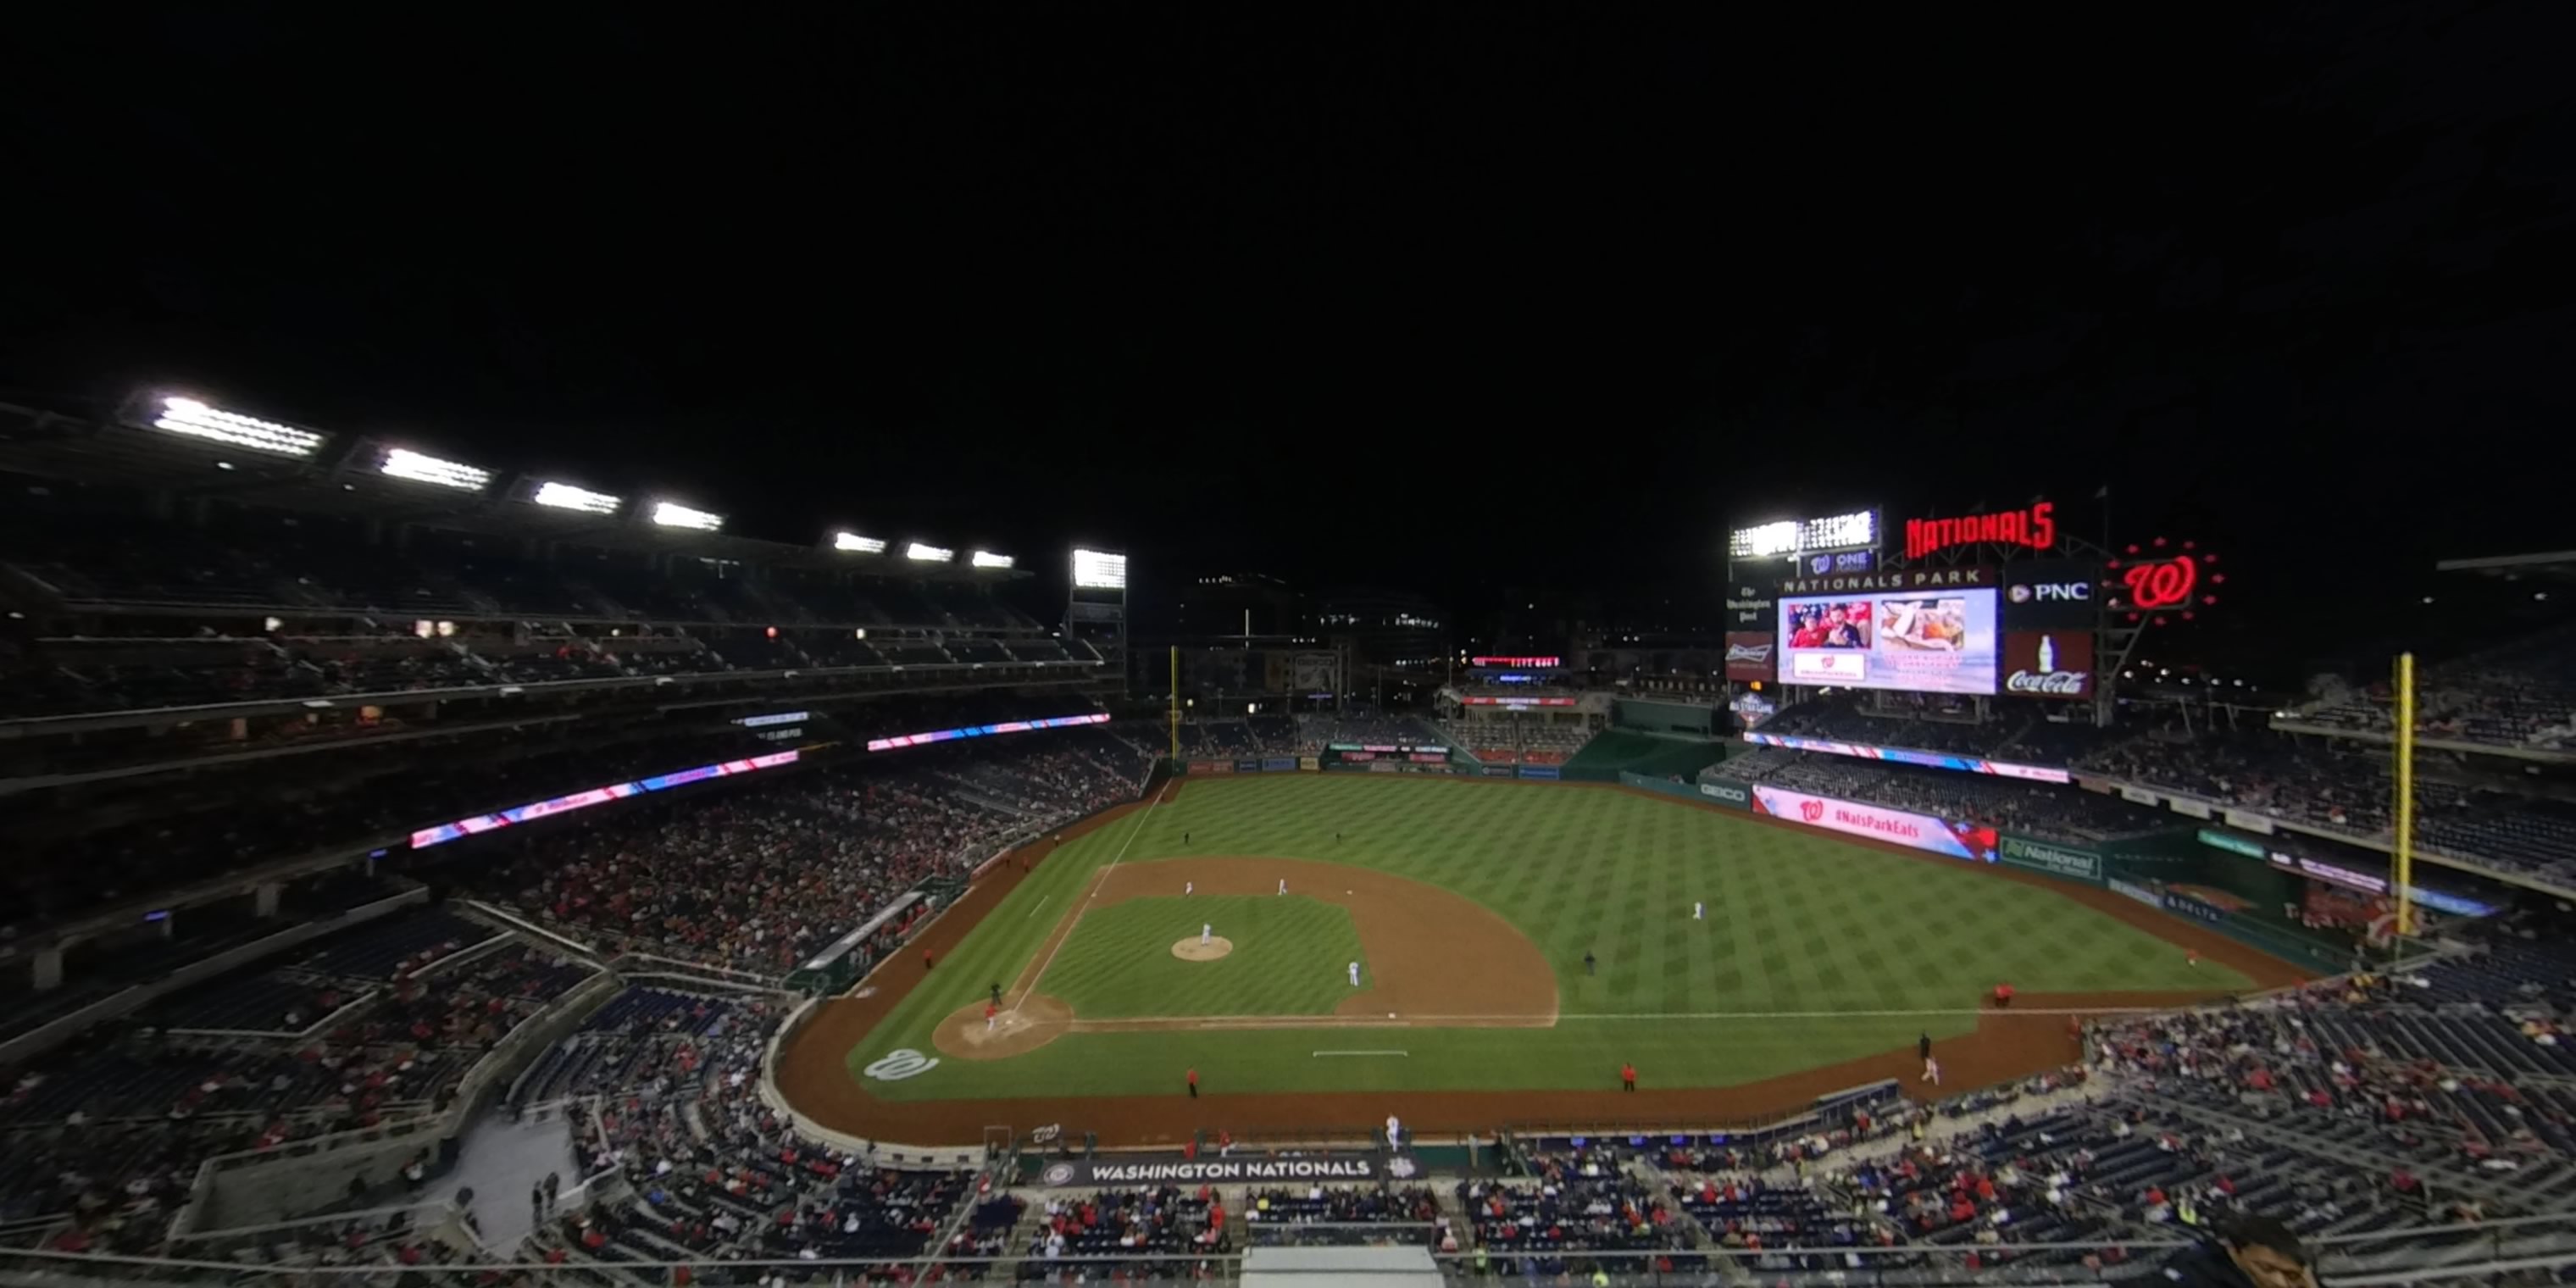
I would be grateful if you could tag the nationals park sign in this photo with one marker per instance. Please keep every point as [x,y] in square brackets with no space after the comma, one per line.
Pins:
[1228,1171]
[2055,860]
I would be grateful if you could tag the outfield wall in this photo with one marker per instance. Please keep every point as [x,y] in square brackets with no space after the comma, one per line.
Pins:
[2140,868]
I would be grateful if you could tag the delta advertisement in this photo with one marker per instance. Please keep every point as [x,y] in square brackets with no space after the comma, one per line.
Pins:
[1749,656]
[1918,831]
[1921,641]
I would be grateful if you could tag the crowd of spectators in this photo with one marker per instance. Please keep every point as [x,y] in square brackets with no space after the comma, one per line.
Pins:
[1365,727]
[759,881]
[111,1129]
[2519,695]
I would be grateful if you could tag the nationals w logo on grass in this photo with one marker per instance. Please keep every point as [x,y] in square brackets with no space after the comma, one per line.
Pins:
[897,1065]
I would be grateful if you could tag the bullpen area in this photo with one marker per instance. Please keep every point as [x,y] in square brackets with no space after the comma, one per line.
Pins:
[1324,950]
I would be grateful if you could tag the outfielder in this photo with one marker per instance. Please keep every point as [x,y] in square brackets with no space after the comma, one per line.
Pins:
[1699,911]
[1355,974]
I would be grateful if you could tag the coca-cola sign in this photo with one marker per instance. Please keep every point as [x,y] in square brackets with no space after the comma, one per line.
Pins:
[2048,664]
[1749,656]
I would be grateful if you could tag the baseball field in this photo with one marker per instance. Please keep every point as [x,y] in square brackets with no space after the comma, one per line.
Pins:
[1514,945]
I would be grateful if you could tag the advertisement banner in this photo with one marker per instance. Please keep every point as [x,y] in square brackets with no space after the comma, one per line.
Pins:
[1083,1173]
[1514,701]
[1879,823]
[2048,664]
[1220,766]
[1726,791]
[2066,861]
[1310,764]
[1540,771]
[2138,892]
[2189,809]
[1202,766]
[1278,763]
[2052,594]
[2232,844]
[1935,640]
[1497,771]
[1247,766]
[1751,608]
[1384,767]
[2140,795]
[1753,709]
[1906,756]
[1749,656]
[2250,821]
[2194,908]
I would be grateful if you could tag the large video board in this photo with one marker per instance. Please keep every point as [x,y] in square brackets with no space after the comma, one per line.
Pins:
[1933,640]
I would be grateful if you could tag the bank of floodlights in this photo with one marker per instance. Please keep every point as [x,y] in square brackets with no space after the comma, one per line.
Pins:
[404,463]
[672,514]
[1099,570]
[856,544]
[197,420]
[921,553]
[987,559]
[564,496]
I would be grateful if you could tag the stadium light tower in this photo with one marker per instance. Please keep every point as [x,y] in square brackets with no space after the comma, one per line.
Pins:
[194,419]
[1095,611]
[672,514]
[404,463]
[853,543]
[923,552]
[564,496]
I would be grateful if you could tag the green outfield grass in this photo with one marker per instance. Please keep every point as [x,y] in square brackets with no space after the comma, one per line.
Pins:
[1815,951]
[1291,957]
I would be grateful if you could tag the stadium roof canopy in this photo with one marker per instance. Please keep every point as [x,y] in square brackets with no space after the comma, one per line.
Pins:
[2556,565]
[342,480]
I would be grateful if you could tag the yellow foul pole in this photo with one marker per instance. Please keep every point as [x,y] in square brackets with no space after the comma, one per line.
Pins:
[2404,850]
[1176,702]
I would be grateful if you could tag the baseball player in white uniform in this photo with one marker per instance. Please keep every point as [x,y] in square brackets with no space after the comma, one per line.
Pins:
[1188,886]
[1355,974]
[1204,928]
[1394,1133]
[1699,911]
[1283,885]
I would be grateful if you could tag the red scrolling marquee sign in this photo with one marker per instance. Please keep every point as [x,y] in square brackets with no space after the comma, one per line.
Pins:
[2165,577]
[2034,526]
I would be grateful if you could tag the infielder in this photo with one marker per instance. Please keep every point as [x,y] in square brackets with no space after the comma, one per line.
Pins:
[1355,974]
[1931,1071]
[1204,928]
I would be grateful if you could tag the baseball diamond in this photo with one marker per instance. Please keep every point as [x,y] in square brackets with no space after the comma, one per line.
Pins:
[1473,906]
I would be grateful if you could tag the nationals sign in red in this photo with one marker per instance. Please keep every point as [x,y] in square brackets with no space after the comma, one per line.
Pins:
[2034,526]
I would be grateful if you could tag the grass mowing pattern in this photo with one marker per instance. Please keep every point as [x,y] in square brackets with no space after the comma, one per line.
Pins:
[1797,922]
[1291,956]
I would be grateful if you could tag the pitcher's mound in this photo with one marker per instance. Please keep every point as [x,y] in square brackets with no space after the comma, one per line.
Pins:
[1036,1021]
[1191,950]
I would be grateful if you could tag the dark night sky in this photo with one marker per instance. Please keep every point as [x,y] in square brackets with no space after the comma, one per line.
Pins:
[1436,298]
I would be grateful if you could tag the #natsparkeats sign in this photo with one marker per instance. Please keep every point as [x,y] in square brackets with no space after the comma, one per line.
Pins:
[2048,664]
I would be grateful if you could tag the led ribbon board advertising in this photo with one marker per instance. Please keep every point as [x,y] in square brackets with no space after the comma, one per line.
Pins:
[985,731]
[1903,756]
[529,813]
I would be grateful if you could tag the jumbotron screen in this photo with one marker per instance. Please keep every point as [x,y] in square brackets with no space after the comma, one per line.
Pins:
[1932,641]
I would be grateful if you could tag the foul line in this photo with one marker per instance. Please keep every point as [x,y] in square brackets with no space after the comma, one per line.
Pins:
[1033,911]
[1318,1054]
[1096,882]
[1531,1020]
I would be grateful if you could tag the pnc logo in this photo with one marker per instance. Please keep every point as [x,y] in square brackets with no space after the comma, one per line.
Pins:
[2051,592]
